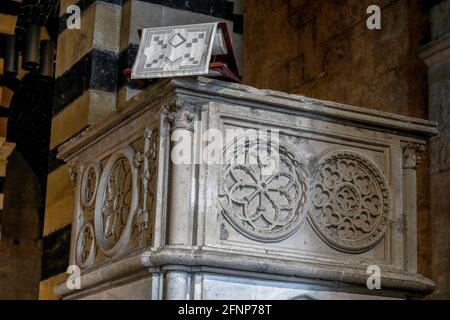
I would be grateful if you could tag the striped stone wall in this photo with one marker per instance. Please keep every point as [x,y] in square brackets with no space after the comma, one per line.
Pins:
[7,25]
[89,85]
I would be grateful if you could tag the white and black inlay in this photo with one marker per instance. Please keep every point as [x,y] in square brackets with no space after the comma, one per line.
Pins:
[174,51]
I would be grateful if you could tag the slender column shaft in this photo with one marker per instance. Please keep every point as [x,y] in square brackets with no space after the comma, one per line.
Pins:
[180,213]
[410,162]
[177,285]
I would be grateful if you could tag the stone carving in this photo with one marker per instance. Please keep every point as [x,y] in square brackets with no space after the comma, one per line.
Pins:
[117,202]
[146,162]
[89,184]
[86,247]
[181,119]
[181,113]
[265,208]
[72,167]
[411,157]
[350,201]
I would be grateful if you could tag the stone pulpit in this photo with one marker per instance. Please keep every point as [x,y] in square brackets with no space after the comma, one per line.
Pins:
[203,189]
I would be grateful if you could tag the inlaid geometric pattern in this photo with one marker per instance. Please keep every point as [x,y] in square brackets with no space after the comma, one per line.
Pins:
[174,51]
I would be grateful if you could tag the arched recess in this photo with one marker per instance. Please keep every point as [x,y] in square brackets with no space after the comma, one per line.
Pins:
[20,243]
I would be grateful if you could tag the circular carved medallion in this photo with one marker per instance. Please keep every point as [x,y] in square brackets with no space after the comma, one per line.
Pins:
[350,201]
[264,196]
[89,184]
[86,248]
[117,201]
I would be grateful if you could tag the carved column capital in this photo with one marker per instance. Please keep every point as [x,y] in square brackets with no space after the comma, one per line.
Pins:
[411,157]
[182,112]
[72,168]
[181,119]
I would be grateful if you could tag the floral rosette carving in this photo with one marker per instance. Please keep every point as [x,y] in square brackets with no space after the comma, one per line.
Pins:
[350,201]
[89,184]
[86,246]
[116,202]
[264,205]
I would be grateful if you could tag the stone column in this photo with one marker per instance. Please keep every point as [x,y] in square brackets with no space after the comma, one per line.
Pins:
[410,161]
[181,116]
[436,55]
[177,285]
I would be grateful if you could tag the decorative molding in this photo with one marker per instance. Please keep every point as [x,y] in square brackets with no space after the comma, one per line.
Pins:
[350,201]
[437,51]
[333,111]
[411,157]
[265,208]
[76,139]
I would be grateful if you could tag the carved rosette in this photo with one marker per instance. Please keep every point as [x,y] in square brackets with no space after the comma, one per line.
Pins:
[117,202]
[350,201]
[86,246]
[89,184]
[264,205]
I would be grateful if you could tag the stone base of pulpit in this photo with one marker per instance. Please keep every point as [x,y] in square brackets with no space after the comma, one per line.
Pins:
[202,189]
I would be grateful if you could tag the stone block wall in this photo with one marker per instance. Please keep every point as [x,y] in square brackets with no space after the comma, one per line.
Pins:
[437,56]
[324,49]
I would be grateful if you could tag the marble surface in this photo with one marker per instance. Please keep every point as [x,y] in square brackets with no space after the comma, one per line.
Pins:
[342,197]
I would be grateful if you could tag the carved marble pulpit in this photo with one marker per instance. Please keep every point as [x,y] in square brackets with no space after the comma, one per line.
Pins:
[339,208]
